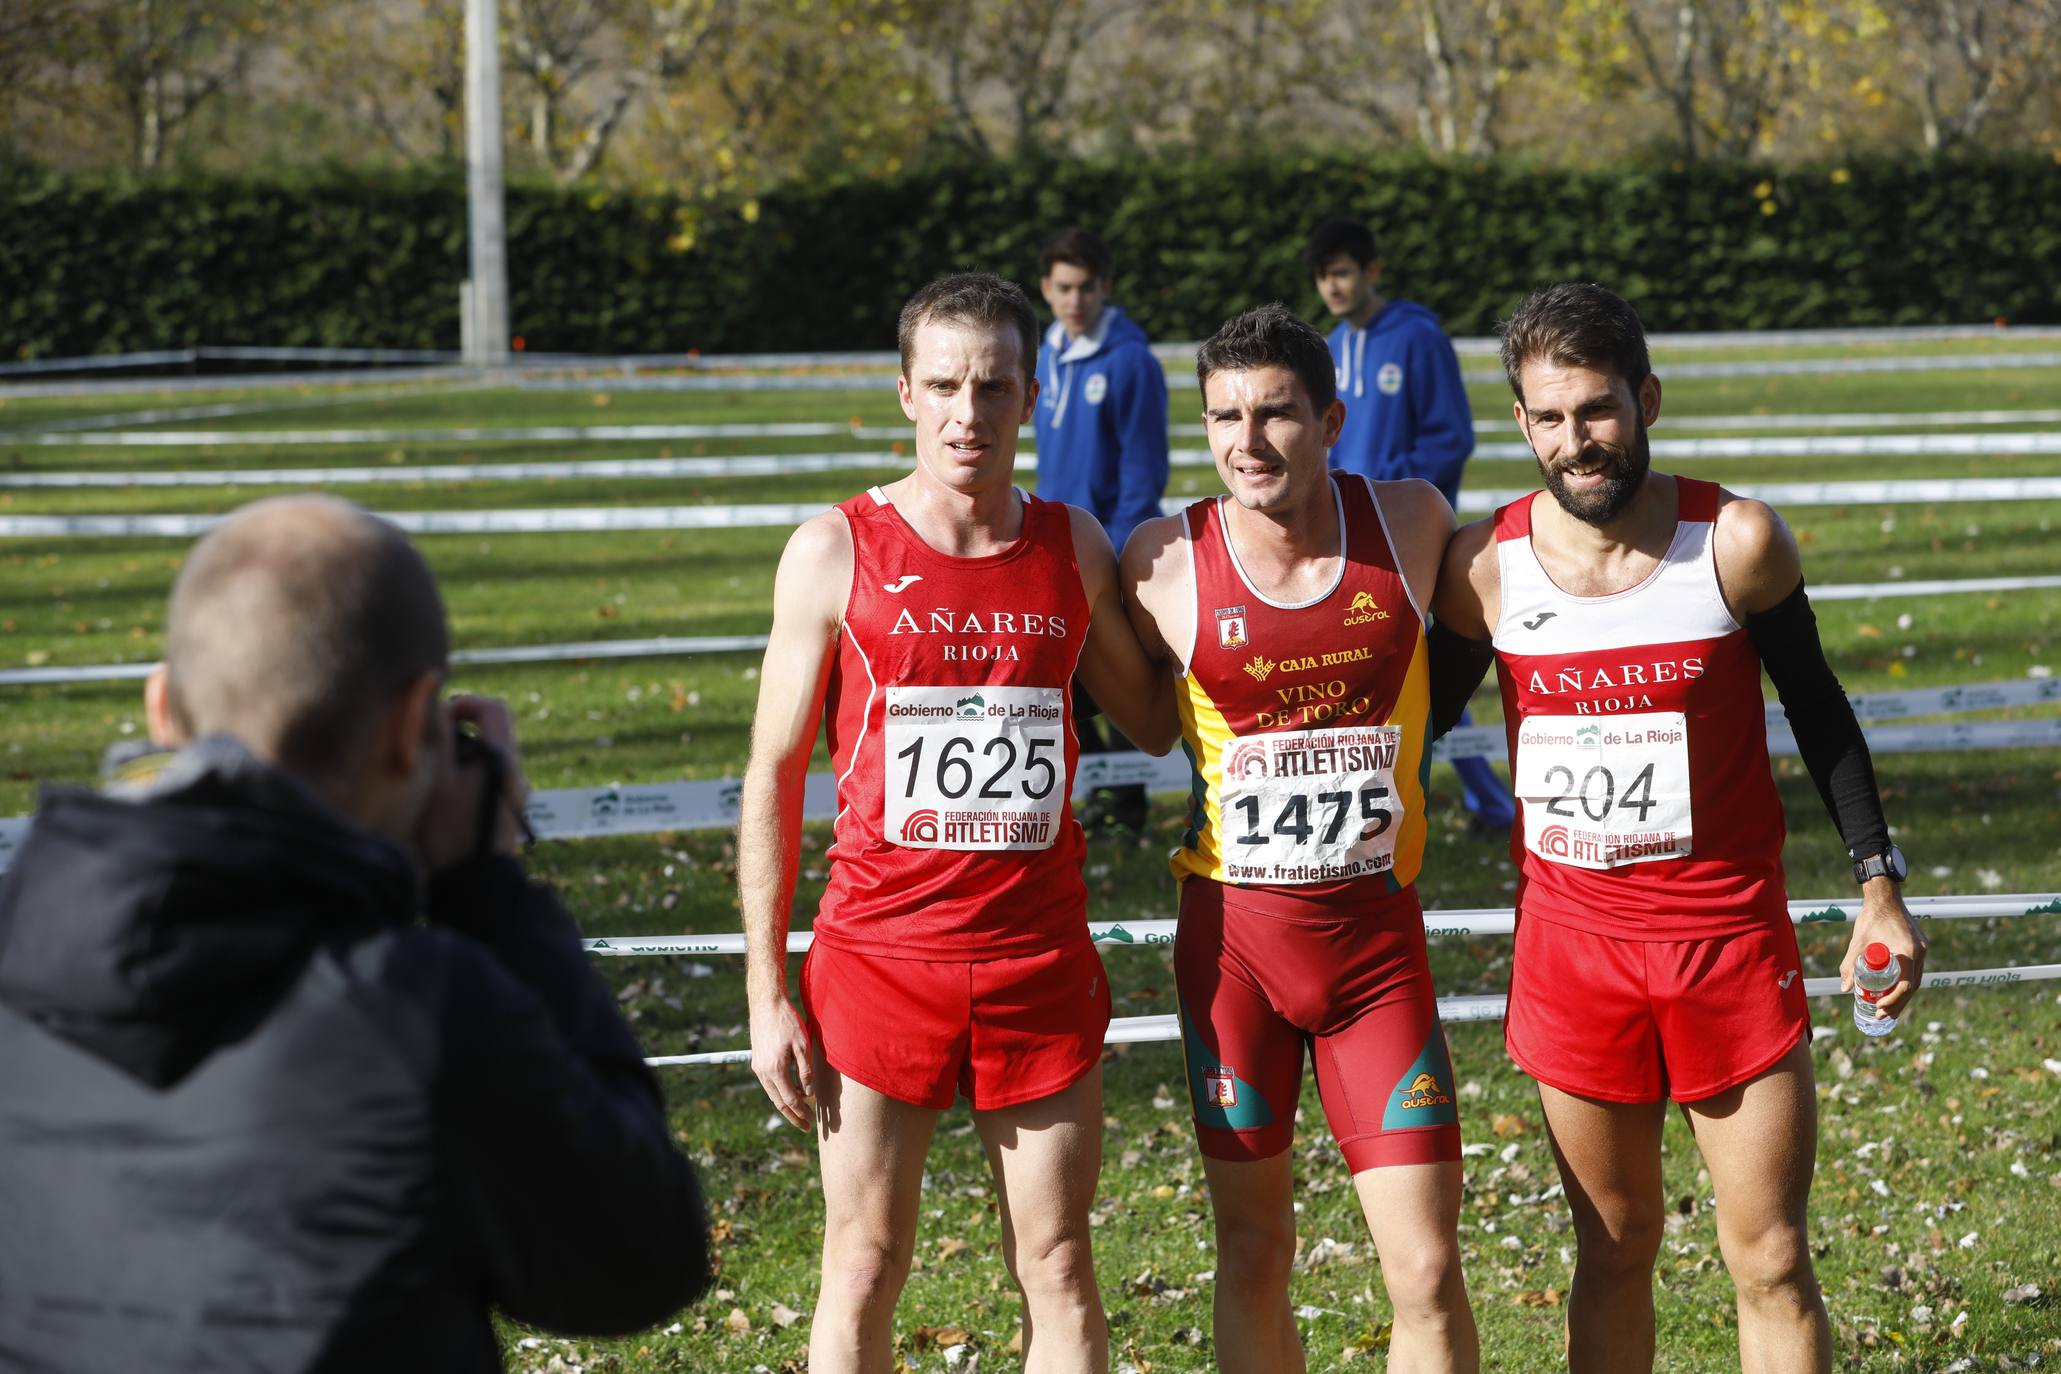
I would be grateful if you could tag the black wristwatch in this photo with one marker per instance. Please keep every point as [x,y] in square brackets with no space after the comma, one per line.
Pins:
[1888,864]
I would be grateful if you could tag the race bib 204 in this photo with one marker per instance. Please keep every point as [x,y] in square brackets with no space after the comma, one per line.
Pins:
[1314,806]
[1604,791]
[975,767]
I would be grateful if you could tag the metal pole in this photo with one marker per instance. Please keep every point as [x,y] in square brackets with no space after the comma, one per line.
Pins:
[488,341]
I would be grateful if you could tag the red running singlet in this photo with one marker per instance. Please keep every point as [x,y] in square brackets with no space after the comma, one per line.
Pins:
[1638,744]
[951,735]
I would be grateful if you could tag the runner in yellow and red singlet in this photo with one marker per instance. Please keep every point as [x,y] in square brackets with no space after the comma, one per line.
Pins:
[1291,610]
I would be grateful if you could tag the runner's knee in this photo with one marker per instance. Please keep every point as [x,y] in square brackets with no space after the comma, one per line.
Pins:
[1620,1240]
[867,1268]
[1057,1266]
[1773,1265]
[1255,1254]
[1423,1278]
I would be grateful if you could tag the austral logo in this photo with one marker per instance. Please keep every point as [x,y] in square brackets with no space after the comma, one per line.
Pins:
[920,827]
[1424,1091]
[1365,610]
[1259,666]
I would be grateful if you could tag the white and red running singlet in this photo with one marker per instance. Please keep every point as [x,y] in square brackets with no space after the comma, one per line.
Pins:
[1638,744]
[951,735]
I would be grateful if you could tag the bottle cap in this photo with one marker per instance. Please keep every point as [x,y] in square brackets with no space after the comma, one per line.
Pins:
[1877,956]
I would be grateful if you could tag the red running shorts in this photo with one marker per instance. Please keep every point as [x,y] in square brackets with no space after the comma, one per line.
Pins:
[1350,983]
[1001,1031]
[1643,1020]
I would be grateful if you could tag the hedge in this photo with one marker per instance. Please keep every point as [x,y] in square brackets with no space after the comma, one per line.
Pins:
[97,266]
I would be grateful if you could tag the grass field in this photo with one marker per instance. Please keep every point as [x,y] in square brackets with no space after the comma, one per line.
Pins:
[1939,1178]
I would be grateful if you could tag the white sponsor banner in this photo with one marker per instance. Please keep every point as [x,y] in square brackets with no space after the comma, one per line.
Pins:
[581,812]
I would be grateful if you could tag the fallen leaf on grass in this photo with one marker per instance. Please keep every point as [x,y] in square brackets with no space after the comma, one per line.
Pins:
[1548,1297]
[737,1322]
[784,1316]
[1504,1124]
[939,1336]
[950,1246]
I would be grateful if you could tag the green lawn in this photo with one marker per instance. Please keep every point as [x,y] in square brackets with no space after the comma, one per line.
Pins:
[1955,1115]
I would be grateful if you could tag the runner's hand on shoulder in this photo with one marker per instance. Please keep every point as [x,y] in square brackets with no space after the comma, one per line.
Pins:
[1885,919]
[780,1057]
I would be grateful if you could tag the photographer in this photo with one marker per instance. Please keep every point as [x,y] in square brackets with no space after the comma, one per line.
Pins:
[253,1114]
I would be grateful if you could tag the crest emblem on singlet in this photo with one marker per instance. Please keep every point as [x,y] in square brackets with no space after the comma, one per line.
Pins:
[1389,378]
[1231,627]
[1096,389]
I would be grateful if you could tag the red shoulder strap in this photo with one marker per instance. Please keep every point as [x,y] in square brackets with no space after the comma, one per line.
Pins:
[1514,520]
[1697,501]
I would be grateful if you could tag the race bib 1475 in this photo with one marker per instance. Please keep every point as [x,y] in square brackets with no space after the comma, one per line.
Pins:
[1310,806]
[975,767]
[1604,791]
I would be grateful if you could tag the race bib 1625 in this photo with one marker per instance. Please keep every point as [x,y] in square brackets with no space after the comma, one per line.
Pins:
[975,767]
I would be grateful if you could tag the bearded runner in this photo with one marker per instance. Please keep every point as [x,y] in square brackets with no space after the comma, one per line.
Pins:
[1629,614]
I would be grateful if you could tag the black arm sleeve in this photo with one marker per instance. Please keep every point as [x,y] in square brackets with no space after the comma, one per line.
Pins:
[1827,735]
[587,1216]
[1457,667]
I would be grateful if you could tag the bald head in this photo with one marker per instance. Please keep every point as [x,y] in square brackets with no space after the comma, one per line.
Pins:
[295,625]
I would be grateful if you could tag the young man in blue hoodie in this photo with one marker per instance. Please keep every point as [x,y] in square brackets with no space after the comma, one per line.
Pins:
[1102,436]
[1406,412]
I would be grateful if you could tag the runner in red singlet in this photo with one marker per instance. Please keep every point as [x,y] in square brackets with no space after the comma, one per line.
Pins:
[1630,614]
[1290,611]
[935,625]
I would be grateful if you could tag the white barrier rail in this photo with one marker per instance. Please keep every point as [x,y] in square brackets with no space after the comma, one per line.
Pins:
[181,357]
[1437,924]
[1672,371]
[589,812]
[117,429]
[1179,351]
[853,460]
[663,646]
[1138,1030]
[598,519]
[668,645]
[525,374]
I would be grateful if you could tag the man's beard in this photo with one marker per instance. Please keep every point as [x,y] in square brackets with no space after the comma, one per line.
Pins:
[1624,472]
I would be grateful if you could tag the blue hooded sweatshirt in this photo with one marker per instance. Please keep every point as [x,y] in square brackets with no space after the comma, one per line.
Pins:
[1406,412]
[1101,423]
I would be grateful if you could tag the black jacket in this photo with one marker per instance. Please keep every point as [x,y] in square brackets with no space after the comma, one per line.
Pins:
[252,1117]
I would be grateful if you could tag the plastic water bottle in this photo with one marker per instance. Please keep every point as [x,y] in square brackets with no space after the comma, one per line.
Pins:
[1875,974]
